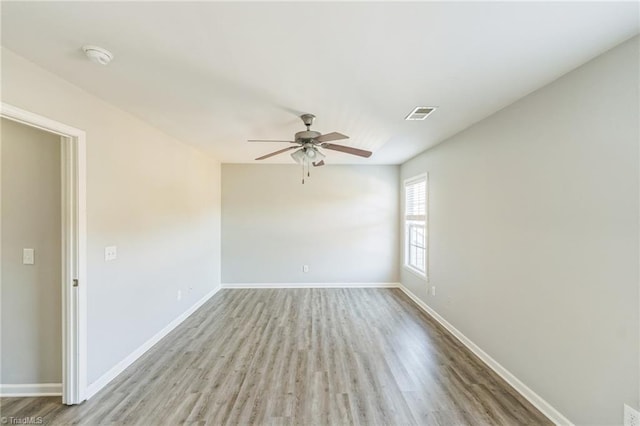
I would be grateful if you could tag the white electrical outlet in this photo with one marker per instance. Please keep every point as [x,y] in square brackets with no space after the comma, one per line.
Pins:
[179,297]
[305,268]
[110,253]
[631,416]
[433,290]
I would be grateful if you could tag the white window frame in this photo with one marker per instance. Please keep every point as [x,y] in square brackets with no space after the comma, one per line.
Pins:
[409,222]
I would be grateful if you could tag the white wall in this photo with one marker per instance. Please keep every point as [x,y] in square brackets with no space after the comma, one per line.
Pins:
[31,295]
[534,237]
[154,197]
[342,223]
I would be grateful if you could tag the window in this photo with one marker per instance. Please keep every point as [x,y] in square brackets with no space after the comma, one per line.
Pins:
[415,225]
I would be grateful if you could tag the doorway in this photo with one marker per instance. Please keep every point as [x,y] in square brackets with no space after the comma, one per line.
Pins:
[71,266]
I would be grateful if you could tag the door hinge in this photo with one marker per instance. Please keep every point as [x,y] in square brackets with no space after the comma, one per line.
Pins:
[75,282]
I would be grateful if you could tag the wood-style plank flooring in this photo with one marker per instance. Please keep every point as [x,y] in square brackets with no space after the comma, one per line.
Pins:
[300,356]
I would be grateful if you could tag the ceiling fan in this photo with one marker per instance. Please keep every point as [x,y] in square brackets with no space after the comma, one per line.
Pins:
[308,143]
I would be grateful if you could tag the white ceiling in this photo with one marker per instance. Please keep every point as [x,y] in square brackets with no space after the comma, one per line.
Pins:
[216,74]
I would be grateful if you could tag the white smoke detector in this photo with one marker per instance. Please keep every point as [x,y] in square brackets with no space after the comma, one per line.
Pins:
[98,54]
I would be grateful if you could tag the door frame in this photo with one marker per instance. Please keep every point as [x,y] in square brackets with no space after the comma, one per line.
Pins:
[74,248]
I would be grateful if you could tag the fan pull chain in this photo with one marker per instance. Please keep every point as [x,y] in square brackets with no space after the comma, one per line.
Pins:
[306,163]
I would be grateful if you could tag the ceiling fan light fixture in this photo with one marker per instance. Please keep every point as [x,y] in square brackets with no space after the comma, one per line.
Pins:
[310,153]
[318,155]
[299,156]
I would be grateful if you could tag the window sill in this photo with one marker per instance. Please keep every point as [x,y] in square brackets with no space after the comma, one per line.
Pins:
[417,273]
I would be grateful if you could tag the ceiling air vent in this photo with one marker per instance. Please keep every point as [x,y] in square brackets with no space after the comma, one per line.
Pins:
[420,113]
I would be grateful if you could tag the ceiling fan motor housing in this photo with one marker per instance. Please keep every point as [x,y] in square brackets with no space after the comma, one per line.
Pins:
[307,135]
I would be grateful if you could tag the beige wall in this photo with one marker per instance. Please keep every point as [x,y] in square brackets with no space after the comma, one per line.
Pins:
[534,237]
[154,197]
[342,223]
[31,294]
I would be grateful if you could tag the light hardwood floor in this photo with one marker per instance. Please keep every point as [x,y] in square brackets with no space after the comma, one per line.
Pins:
[300,356]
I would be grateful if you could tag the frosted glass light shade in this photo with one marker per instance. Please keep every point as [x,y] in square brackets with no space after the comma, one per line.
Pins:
[307,155]
[299,156]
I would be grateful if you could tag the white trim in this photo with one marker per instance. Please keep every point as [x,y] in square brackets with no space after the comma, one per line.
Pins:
[107,377]
[416,272]
[32,389]
[34,120]
[310,285]
[74,248]
[535,399]
[416,178]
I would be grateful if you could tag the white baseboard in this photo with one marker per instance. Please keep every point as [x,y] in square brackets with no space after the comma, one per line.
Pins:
[32,389]
[535,399]
[96,386]
[310,285]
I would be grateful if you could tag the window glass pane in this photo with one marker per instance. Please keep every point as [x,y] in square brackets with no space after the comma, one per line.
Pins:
[416,198]
[416,250]
[415,224]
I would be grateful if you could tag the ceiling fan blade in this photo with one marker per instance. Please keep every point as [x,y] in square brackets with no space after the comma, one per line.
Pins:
[318,164]
[347,149]
[333,136]
[280,151]
[261,140]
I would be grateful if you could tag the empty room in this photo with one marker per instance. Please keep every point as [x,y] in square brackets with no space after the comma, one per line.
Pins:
[320,213]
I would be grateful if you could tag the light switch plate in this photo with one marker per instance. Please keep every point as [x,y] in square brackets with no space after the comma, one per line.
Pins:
[28,256]
[110,253]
